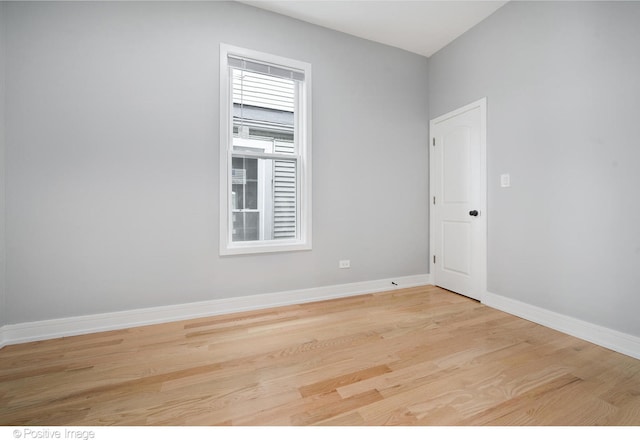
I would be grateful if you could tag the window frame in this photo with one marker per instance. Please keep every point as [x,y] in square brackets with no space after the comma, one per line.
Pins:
[302,137]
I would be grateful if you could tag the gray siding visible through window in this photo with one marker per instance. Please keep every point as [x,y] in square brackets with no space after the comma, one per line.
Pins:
[284,194]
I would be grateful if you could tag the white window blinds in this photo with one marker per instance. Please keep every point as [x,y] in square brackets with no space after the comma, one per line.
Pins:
[263,85]
[264,68]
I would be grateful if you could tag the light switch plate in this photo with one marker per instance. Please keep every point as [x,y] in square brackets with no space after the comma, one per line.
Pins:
[505,180]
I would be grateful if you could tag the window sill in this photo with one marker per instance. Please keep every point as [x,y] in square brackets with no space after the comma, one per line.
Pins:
[264,247]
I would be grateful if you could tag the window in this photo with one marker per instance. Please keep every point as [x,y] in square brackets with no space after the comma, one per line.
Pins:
[265,152]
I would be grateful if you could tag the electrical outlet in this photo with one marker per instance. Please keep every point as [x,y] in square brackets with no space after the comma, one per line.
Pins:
[344,264]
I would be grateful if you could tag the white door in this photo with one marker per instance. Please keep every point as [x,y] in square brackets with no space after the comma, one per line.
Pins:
[458,200]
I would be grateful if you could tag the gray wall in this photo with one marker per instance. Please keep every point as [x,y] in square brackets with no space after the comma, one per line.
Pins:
[112,156]
[3,278]
[562,82]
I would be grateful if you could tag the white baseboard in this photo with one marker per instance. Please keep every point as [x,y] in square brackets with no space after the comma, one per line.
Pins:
[603,336]
[3,341]
[78,325]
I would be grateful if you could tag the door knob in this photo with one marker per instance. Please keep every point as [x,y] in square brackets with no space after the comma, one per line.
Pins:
[473,213]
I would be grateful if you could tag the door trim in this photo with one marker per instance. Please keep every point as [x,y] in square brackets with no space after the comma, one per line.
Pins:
[482,245]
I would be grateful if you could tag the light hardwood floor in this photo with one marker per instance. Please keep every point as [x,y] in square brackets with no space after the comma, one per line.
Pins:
[419,356]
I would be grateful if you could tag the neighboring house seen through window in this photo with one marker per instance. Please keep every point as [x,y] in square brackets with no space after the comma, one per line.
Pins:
[265,153]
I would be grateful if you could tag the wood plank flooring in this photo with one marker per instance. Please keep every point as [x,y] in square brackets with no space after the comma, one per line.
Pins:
[419,356]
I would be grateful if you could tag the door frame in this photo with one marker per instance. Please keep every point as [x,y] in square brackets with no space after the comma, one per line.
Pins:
[481,283]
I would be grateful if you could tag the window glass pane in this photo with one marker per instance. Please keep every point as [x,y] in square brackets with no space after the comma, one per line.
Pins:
[246,226]
[263,110]
[264,199]
[244,183]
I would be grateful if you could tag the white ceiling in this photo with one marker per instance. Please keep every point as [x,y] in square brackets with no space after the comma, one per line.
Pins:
[419,26]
